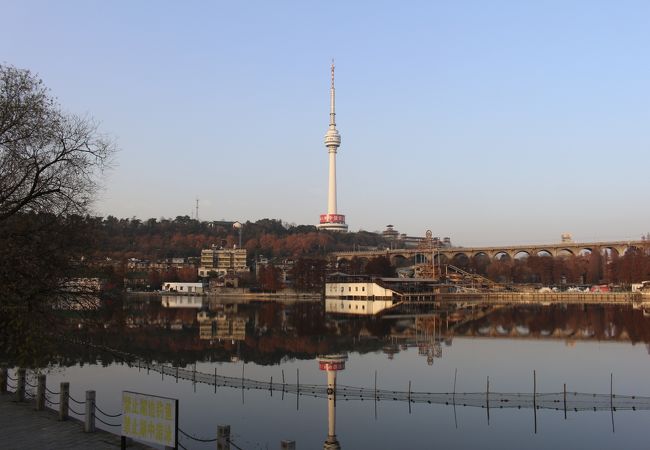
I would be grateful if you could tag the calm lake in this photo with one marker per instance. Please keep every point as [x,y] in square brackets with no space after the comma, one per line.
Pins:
[417,355]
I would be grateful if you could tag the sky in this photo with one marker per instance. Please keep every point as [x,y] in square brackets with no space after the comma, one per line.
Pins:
[498,122]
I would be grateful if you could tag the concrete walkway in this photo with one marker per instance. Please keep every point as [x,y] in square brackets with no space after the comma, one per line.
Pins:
[24,428]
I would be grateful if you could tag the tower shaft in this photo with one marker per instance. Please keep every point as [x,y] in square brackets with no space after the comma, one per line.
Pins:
[331,193]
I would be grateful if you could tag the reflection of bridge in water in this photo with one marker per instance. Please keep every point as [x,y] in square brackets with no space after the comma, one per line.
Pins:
[559,401]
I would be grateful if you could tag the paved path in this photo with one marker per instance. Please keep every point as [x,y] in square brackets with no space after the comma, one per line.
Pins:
[24,428]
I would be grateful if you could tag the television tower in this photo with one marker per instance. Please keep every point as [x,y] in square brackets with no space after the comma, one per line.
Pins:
[332,220]
[331,364]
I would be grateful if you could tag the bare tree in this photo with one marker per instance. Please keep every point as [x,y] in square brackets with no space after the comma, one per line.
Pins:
[49,160]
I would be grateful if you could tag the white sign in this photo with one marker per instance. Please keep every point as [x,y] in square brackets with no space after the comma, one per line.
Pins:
[150,418]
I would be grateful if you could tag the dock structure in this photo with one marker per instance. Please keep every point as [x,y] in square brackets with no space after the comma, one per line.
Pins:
[545,297]
[23,427]
[371,295]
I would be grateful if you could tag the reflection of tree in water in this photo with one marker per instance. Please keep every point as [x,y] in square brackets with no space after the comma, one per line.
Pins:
[276,332]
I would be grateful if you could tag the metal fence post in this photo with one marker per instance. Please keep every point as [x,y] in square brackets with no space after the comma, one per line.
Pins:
[64,399]
[288,445]
[3,380]
[40,393]
[223,437]
[20,386]
[89,418]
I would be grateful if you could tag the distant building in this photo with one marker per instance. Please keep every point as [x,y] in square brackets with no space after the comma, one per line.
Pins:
[184,288]
[284,265]
[405,241]
[219,261]
[567,238]
[390,233]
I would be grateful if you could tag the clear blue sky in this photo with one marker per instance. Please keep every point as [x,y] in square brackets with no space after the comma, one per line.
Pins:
[490,122]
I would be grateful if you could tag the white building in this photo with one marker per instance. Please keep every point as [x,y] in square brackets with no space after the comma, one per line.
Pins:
[184,288]
[359,298]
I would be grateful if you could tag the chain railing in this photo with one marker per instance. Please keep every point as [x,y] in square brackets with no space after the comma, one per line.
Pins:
[565,400]
[194,438]
[98,409]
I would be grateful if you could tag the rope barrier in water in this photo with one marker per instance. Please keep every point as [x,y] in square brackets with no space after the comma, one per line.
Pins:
[51,392]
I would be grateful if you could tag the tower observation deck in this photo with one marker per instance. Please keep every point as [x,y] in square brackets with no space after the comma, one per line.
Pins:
[332,221]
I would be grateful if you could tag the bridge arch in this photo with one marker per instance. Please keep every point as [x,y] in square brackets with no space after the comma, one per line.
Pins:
[502,255]
[440,258]
[421,258]
[543,252]
[632,250]
[343,264]
[565,252]
[400,260]
[481,258]
[521,254]
[460,259]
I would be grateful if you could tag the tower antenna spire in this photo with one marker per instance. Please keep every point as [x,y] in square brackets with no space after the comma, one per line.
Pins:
[332,100]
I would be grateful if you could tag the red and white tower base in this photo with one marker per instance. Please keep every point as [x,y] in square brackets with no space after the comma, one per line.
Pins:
[332,221]
[331,364]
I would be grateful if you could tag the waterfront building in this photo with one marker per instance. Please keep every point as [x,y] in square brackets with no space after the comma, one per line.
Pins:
[332,221]
[184,288]
[369,295]
[219,261]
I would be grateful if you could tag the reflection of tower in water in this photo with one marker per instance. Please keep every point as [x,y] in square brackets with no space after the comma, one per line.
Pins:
[331,364]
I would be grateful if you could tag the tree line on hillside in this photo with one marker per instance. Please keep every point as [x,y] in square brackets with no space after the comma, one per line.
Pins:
[185,237]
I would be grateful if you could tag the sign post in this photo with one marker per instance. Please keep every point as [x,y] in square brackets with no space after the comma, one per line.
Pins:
[149,418]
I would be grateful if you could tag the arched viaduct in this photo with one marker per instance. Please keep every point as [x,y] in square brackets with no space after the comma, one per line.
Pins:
[513,251]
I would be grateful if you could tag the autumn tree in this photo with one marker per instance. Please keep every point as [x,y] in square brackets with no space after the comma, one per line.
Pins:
[380,266]
[309,274]
[269,278]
